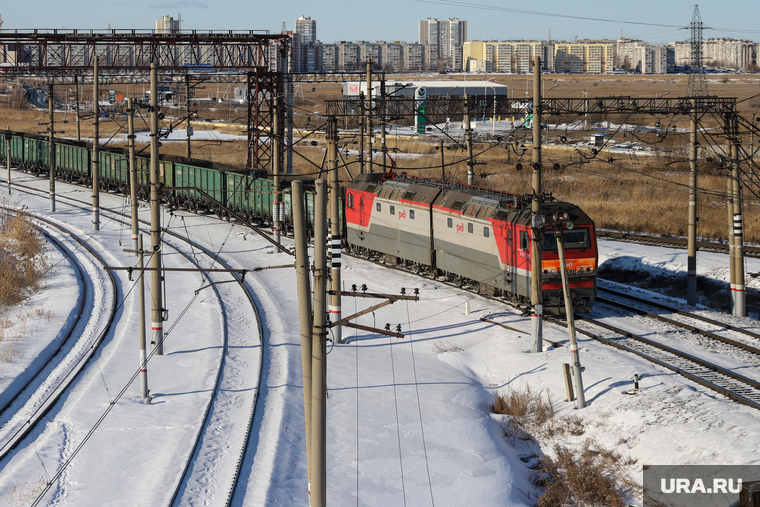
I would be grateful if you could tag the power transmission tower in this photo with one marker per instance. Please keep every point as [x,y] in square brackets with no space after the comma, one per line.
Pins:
[697,86]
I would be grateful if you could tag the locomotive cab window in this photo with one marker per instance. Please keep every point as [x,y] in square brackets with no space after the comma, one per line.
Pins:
[523,240]
[411,214]
[393,210]
[350,201]
[486,232]
[378,207]
[450,222]
[572,239]
[470,228]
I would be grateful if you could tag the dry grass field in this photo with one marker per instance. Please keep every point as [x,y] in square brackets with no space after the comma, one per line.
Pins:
[623,192]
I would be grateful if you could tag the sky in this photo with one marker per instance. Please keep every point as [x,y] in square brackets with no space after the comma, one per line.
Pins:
[397,20]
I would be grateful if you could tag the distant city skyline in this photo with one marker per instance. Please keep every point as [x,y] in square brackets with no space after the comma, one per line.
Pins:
[397,20]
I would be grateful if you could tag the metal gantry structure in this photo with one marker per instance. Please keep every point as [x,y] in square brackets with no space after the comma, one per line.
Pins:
[129,53]
[126,56]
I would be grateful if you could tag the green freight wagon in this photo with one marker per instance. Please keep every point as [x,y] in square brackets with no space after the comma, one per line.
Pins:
[114,170]
[72,161]
[17,148]
[237,194]
[36,155]
[210,181]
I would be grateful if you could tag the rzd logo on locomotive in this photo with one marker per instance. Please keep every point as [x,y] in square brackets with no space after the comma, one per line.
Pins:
[460,228]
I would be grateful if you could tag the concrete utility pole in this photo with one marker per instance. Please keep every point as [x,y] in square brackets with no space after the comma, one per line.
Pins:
[144,392]
[335,237]
[536,300]
[384,148]
[275,140]
[51,145]
[304,307]
[738,287]
[691,275]
[468,141]
[95,148]
[157,317]
[8,137]
[289,147]
[318,464]
[369,114]
[363,112]
[730,208]
[443,163]
[132,172]
[559,221]
[76,106]
[188,128]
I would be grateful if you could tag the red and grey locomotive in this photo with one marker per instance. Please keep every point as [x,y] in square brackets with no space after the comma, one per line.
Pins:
[473,235]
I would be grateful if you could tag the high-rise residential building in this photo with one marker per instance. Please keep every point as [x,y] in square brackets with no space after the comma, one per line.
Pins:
[731,53]
[307,29]
[580,57]
[512,56]
[168,24]
[445,39]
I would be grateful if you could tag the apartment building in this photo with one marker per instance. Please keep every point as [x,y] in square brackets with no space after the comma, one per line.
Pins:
[444,40]
[512,57]
[729,53]
[584,57]
[307,29]
[168,24]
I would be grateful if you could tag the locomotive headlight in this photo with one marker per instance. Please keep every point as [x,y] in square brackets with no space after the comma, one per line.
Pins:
[569,224]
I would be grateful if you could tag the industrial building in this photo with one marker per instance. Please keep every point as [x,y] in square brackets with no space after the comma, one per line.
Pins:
[448,88]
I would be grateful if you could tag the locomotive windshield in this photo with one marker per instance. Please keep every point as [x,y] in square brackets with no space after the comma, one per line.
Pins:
[573,238]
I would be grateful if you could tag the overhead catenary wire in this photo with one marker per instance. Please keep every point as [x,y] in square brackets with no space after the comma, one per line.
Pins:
[419,404]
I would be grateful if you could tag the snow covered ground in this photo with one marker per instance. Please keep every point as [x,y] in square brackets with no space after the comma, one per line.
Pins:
[408,419]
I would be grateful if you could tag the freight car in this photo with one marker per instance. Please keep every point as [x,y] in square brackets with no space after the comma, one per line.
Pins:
[471,235]
[199,185]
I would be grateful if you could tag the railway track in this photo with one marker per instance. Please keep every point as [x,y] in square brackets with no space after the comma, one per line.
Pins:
[13,390]
[717,378]
[29,405]
[722,380]
[645,239]
[718,332]
[224,428]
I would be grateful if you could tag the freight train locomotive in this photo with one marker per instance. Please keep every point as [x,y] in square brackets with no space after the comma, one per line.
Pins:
[472,235]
